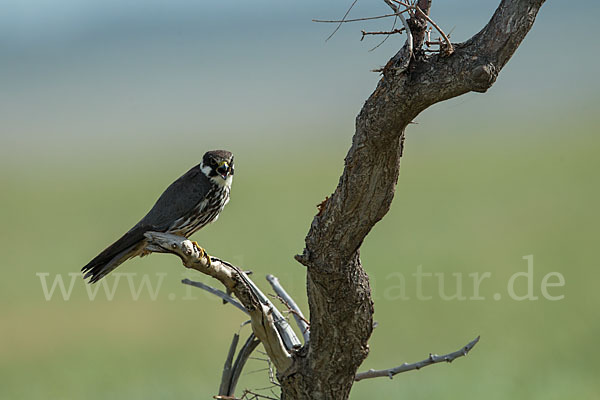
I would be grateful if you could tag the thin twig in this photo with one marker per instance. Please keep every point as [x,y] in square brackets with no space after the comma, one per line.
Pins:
[409,37]
[227,368]
[251,343]
[295,314]
[216,292]
[432,359]
[268,324]
[342,21]
[289,302]
[392,32]
[450,48]
[402,3]
[391,4]
[261,359]
[254,371]
[272,374]
[386,38]
[267,387]
[283,327]
[258,395]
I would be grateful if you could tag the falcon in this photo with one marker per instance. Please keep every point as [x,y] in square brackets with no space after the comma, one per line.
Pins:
[187,205]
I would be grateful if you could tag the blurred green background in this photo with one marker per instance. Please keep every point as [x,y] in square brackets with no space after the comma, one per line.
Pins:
[104,104]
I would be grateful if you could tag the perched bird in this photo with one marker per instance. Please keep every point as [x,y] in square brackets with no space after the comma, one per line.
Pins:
[188,204]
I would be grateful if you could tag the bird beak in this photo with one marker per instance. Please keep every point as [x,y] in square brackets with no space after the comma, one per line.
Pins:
[223,169]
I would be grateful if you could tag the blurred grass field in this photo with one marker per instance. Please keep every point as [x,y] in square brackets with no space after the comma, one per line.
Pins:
[473,196]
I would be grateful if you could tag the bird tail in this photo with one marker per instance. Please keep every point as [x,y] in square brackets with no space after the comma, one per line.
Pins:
[129,245]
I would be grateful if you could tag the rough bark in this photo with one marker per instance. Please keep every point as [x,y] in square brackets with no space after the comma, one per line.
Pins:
[338,289]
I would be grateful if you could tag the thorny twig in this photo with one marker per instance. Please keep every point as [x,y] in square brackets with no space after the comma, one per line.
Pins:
[386,38]
[392,32]
[450,48]
[410,8]
[292,311]
[432,359]
[289,302]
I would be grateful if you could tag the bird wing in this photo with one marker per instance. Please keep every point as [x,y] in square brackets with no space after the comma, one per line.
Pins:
[178,200]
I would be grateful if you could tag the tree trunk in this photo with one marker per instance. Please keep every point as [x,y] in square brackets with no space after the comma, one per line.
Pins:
[339,296]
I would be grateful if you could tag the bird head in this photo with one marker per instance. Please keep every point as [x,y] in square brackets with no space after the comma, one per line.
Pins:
[217,165]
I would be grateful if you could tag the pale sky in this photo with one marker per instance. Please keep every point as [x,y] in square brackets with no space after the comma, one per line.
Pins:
[86,71]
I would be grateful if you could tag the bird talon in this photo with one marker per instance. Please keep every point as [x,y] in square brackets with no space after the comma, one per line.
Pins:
[199,249]
[203,253]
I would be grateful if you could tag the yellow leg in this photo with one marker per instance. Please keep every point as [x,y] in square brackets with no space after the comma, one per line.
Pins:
[203,252]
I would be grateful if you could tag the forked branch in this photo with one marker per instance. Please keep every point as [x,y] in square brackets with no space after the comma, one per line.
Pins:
[232,371]
[418,10]
[291,304]
[268,324]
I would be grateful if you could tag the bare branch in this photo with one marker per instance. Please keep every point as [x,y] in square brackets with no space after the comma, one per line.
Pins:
[421,14]
[255,396]
[251,343]
[449,48]
[399,63]
[342,21]
[402,3]
[261,310]
[289,301]
[391,4]
[227,370]
[227,298]
[392,32]
[419,11]
[293,312]
[285,330]
[409,37]
[384,39]
[432,359]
